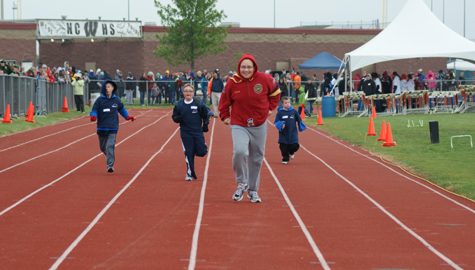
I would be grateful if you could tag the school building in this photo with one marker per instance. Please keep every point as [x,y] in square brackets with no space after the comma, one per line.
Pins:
[128,46]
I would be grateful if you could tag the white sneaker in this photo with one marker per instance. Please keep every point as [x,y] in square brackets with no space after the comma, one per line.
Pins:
[291,156]
[252,195]
[285,162]
[237,196]
[188,178]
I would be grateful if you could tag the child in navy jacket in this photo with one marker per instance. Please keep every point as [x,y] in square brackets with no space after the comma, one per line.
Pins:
[105,111]
[193,116]
[287,121]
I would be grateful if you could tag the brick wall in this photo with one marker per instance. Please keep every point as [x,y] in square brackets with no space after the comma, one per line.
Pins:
[268,46]
[18,43]
[123,55]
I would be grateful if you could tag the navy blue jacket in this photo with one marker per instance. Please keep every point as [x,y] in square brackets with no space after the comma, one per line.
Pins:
[193,116]
[105,110]
[288,135]
[217,85]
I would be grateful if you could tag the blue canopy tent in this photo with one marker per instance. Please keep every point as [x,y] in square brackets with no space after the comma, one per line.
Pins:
[324,61]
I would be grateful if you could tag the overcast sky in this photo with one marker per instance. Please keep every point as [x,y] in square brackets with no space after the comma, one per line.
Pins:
[252,13]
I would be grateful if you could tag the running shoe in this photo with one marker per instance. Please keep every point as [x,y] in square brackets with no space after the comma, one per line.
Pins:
[292,156]
[110,169]
[237,196]
[188,178]
[285,162]
[252,195]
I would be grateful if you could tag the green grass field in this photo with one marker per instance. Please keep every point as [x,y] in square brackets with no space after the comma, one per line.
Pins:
[439,163]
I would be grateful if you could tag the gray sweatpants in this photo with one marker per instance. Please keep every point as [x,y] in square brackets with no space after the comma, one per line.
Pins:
[249,145]
[129,97]
[107,145]
[215,97]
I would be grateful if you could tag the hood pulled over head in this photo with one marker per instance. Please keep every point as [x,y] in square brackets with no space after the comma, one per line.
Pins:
[247,56]
[103,87]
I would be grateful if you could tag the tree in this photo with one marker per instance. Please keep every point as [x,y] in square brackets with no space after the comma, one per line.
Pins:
[191,31]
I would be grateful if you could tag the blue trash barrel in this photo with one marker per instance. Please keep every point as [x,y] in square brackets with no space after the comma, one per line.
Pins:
[328,106]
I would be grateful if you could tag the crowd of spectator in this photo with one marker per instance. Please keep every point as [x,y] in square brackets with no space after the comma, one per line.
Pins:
[167,88]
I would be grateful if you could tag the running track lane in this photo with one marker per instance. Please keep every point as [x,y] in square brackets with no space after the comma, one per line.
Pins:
[32,143]
[152,226]
[19,181]
[41,228]
[239,235]
[351,231]
[340,245]
[442,219]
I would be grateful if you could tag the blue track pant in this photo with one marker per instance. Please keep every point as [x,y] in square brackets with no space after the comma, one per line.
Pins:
[193,145]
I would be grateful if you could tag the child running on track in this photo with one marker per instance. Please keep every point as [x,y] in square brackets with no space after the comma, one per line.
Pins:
[193,116]
[287,121]
[105,111]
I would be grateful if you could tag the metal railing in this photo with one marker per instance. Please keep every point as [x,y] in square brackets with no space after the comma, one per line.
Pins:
[374,24]
[141,87]
[19,91]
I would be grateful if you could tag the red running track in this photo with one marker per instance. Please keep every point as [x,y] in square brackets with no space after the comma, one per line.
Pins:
[318,212]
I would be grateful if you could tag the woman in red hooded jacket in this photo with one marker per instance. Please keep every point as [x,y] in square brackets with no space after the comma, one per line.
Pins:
[253,96]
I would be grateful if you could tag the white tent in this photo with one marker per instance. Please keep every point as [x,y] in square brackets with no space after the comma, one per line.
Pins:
[415,32]
[461,65]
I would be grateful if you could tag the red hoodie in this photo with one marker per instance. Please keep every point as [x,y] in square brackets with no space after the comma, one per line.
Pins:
[251,99]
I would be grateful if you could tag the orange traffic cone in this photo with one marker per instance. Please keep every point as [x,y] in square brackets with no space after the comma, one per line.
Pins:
[320,120]
[389,138]
[302,113]
[31,114]
[65,105]
[374,113]
[6,119]
[29,109]
[382,137]
[371,131]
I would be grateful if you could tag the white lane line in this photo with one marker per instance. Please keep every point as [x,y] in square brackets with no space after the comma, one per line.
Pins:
[399,173]
[96,219]
[59,123]
[45,154]
[56,150]
[68,173]
[37,139]
[52,134]
[196,232]
[307,234]
[424,242]
[314,246]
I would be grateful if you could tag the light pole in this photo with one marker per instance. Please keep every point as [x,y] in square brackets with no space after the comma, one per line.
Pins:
[14,8]
[274,13]
[128,3]
[463,18]
[443,11]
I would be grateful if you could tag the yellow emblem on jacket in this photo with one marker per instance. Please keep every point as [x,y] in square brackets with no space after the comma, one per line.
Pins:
[258,88]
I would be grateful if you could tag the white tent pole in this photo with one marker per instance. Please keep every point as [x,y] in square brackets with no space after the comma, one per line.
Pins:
[339,76]
[346,78]
[351,73]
